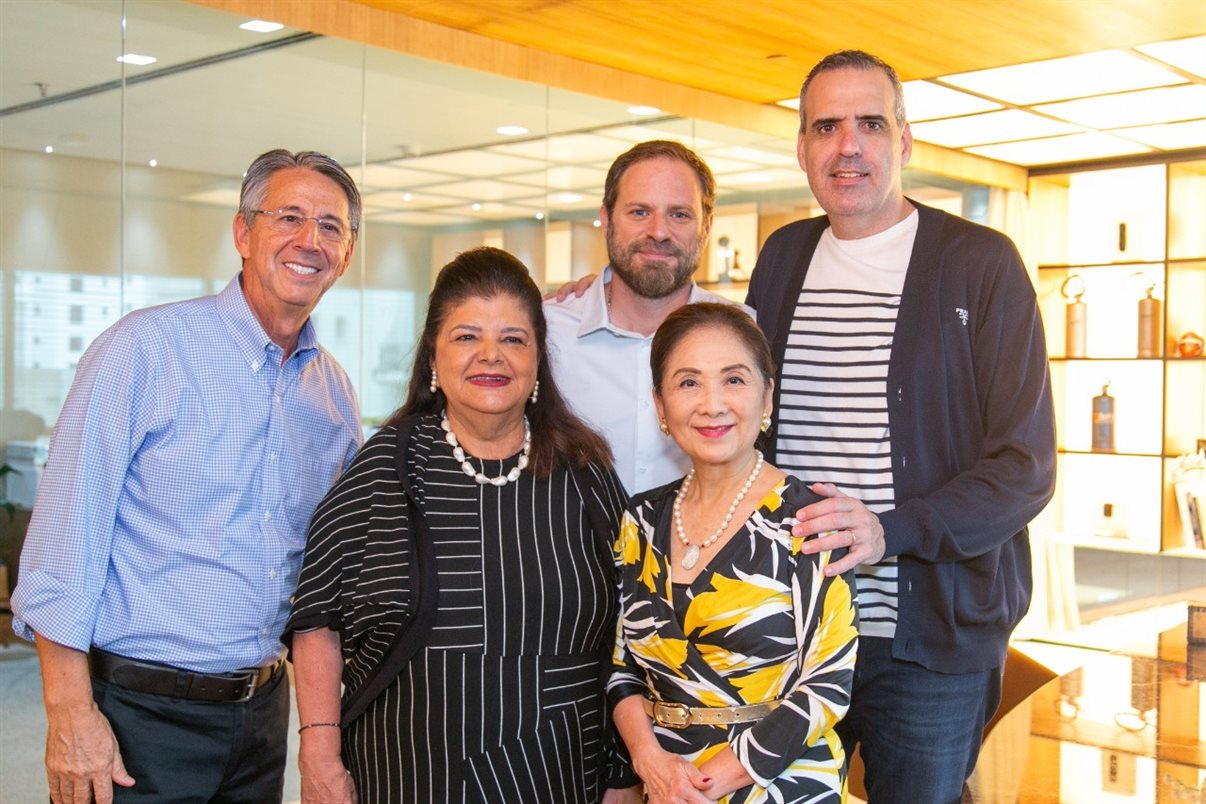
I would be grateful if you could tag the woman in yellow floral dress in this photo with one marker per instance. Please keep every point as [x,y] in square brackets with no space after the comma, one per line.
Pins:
[734,652]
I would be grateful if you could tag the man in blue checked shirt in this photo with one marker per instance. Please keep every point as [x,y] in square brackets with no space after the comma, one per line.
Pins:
[167,535]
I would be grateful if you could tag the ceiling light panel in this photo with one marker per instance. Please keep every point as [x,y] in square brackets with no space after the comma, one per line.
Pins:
[228,198]
[756,155]
[635,134]
[387,177]
[789,103]
[764,179]
[565,201]
[480,190]
[564,177]
[398,200]
[1071,148]
[928,101]
[1061,79]
[261,26]
[470,163]
[572,148]
[420,218]
[1185,54]
[1169,136]
[1003,126]
[494,210]
[1164,105]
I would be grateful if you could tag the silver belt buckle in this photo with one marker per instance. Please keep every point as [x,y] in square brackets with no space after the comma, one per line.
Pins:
[252,683]
[672,715]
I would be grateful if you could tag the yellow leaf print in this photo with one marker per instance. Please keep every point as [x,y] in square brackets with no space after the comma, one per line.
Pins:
[650,570]
[732,602]
[837,630]
[773,498]
[672,653]
[762,685]
[628,543]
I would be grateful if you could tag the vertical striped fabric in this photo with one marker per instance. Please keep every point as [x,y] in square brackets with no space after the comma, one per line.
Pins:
[505,703]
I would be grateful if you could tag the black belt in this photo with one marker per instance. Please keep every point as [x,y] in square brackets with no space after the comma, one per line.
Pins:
[157,679]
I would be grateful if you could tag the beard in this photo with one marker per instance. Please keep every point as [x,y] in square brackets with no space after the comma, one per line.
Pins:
[655,280]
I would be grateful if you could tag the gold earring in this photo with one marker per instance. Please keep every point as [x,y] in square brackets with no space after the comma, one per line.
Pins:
[665,427]
[766,422]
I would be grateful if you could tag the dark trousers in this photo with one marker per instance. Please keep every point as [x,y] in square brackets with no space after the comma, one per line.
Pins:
[196,751]
[919,730]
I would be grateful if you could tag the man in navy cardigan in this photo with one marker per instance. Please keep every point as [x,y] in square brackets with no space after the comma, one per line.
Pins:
[913,375]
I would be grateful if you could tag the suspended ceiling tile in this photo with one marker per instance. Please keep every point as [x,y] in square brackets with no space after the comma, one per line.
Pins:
[480,190]
[925,100]
[396,200]
[494,210]
[978,129]
[719,165]
[758,156]
[568,200]
[1069,77]
[228,198]
[564,177]
[664,130]
[571,148]
[764,179]
[1051,150]
[1187,54]
[1148,106]
[389,177]
[420,218]
[470,163]
[1168,136]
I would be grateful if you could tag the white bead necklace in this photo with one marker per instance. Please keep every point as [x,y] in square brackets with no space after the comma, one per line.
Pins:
[501,480]
[691,556]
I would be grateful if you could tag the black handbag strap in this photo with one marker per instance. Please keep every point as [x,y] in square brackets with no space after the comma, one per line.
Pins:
[423,600]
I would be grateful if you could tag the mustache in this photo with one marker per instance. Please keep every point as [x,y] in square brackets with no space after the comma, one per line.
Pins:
[657,246]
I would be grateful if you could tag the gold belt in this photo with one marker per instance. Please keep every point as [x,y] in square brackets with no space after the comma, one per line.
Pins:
[680,716]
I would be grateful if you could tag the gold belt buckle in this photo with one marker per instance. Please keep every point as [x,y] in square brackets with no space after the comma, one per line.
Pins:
[672,715]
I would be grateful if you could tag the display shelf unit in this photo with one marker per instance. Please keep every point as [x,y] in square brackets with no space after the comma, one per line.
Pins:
[1121,231]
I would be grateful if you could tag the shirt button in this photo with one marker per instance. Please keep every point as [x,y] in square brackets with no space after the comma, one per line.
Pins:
[271,573]
[263,632]
[642,471]
[267,516]
[272,456]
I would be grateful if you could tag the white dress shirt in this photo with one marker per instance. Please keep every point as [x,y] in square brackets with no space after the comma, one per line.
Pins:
[603,372]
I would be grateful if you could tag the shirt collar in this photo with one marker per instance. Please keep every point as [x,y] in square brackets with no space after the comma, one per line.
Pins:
[596,316]
[253,343]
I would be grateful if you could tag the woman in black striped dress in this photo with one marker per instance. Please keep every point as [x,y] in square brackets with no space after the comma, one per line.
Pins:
[516,505]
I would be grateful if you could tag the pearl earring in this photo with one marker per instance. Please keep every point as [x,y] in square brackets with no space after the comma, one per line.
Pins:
[664,427]
[535,392]
[766,422]
[435,386]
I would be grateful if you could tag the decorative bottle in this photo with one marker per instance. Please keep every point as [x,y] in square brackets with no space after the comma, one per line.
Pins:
[1103,421]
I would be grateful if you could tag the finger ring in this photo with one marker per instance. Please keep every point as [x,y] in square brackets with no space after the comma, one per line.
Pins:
[852,538]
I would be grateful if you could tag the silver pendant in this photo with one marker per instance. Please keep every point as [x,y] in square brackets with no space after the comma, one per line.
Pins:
[690,557]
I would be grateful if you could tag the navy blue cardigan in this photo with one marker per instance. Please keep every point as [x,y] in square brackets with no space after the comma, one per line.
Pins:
[972,427]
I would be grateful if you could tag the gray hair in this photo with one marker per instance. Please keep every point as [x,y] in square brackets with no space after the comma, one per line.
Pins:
[255,181]
[856,60]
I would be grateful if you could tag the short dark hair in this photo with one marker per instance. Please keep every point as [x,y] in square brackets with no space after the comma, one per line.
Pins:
[558,436]
[708,315]
[856,60]
[255,181]
[660,149]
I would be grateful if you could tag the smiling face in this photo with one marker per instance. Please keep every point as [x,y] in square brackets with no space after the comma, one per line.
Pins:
[657,229]
[853,150]
[285,274]
[486,358]
[713,397]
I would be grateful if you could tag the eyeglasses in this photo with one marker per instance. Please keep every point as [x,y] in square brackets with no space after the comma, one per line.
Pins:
[286,221]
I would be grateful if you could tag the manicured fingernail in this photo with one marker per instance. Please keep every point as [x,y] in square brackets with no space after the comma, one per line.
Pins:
[707,780]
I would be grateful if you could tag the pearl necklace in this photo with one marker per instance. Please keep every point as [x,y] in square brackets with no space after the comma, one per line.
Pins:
[501,480]
[691,556]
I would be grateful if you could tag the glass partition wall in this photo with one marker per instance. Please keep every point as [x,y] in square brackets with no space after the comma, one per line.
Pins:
[119,179]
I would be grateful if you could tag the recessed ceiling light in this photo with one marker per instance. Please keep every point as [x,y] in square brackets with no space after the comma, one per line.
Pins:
[49,149]
[644,111]
[261,26]
[477,207]
[154,163]
[539,216]
[511,131]
[137,59]
[407,196]
[596,223]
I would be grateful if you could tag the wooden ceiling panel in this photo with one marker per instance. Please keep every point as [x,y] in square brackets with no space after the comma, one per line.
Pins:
[759,51]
